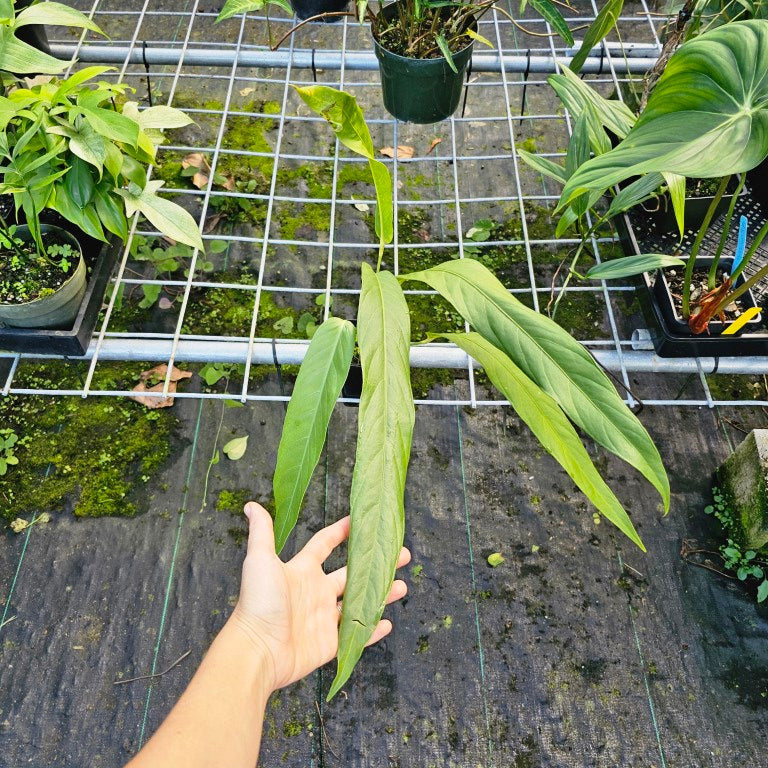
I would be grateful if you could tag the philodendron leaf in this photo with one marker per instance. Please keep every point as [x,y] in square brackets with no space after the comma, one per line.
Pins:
[551,358]
[632,265]
[55,14]
[676,189]
[170,219]
[639,190]
[604,22]
[235,7]
[346,118]
[549,424]
[320,379]
[385,427]
[707,116]
[21,58]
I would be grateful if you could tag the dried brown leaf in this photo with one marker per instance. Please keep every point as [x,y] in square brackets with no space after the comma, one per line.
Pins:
[403,152]
[153,402]
[195,160]
[433,144]
[160,372]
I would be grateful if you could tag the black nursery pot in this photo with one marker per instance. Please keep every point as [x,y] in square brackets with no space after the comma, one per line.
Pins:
[672,337]
[420,90]
[306,9]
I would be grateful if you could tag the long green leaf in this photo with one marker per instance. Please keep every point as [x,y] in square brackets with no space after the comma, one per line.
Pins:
[543,165]
[549,424]
[604,22]
[633,194]
[56,15]
[632,265]
[385,427]
[676,189]
[442,44]
[706,117]
[550,357]
[235,7]
[21,58]
[318,385]
[548,11]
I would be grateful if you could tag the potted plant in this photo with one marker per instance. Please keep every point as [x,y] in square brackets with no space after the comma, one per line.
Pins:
[76,147]
[702,120]
[549,378]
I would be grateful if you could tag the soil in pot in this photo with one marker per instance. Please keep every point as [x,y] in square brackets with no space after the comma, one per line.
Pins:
[417,82]
[40,292]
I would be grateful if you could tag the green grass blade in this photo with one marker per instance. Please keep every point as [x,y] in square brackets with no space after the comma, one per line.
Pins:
[550,426]
[552,358]
[385,428]
[548,11]
[320,379]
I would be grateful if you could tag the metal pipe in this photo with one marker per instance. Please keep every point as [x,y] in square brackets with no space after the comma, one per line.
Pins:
[330,60]
[291,352]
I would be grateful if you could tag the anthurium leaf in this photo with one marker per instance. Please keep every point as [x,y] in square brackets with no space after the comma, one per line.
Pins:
[89,145]
[111,214]
[706,117]
[604,22]
[616,116]
[543,165]
[163,118]
[385,427]
[632,265]
[383,219]
[79,182]
[550,426]
[551,358]
[55,15]
[548,11]
[442,44]
[8,109]
[21,58]
[236,7]
[170,219]
[112,125]
[318,385]
[676,190]
[63,203]
[235,448]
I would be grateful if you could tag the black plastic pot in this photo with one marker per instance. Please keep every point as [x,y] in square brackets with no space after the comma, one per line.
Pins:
[73,341]
[670,333]
[420,90]
[353,385]
[305,9]
[757,181]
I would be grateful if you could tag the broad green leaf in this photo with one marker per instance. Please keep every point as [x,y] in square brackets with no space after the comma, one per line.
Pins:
[89,145]
[632,265]
[550,357]
[55,15]
[548,11]
[383,218]
[63,203]
[21,58]
[170,219]
[442,44]
[318,385]
[762,591]
[495,559]
[604,22]
[112,125]
[676,190]
[8,109]
[707,116]
[550,426]
[236,7]
[76,79]
[79,182]
[385,427]
[575,94]
[151,293]
[110,214]
[163,118]
[544,166]
[235,448]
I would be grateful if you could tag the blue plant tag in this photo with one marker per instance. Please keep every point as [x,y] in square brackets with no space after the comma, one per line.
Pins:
[741,244]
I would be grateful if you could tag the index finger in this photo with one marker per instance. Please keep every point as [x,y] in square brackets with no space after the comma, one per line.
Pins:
[320,546]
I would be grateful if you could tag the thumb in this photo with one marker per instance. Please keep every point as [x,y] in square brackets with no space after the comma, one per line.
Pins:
[261,534]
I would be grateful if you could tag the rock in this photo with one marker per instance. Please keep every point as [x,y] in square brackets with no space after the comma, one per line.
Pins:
[743,479]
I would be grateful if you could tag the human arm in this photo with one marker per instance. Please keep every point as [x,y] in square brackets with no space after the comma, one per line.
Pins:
[284,626]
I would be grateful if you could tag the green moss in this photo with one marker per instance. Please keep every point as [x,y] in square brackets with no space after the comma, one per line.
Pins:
[95,454]
[581,314]
[292,728]
[233,501]
[735,387]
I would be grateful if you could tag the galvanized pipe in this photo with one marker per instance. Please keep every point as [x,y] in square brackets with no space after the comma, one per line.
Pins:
[291,352]
[638,61]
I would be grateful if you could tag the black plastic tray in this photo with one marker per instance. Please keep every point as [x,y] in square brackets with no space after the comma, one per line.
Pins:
[71,341]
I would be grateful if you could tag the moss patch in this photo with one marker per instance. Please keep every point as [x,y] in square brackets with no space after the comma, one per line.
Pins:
[92,455]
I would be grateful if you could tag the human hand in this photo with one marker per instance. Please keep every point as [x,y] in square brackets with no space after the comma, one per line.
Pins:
[289,610]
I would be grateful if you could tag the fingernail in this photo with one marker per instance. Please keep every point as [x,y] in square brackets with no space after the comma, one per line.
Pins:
[248,509]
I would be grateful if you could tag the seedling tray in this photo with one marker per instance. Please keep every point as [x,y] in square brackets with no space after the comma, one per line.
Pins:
[100,259]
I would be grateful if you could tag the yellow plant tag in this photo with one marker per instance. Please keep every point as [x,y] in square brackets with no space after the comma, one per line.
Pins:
[741,321]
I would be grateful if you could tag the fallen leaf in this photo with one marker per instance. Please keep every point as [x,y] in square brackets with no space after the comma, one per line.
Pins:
[434,143]
[19,524]
[403,152]
[364,207]
[235,448]
[200,180]
[197,160]
[246,91]
[153,402]
[160,372]
[212,222]
[495,559]
[164,303]
[228,183]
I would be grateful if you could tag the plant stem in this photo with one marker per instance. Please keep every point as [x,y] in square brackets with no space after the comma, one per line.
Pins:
[724,235]
[11,239]
[686,308]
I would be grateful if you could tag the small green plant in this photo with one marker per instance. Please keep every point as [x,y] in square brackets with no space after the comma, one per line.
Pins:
[746,563]
[8,442]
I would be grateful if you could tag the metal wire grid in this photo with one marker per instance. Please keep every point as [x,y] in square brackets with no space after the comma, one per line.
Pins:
[459,162]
